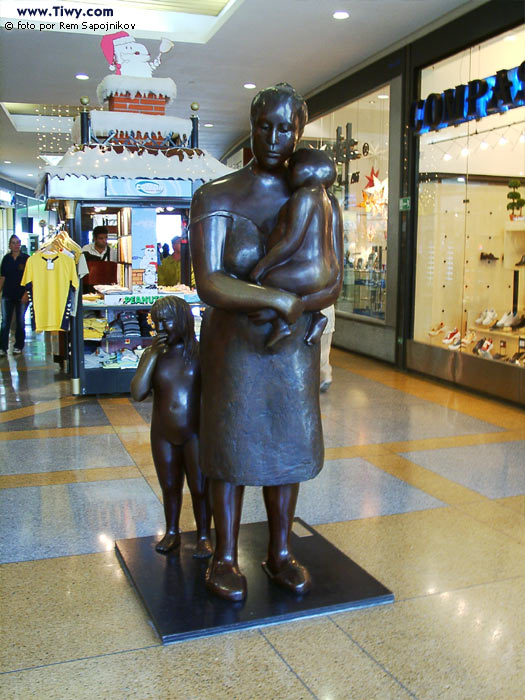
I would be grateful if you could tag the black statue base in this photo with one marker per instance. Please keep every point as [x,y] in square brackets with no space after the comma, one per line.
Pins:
[173,591]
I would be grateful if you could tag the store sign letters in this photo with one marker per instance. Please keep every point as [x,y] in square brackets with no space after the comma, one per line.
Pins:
[475,100]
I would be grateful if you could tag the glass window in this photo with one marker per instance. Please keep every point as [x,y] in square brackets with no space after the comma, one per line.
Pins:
[470,262]
[357,135]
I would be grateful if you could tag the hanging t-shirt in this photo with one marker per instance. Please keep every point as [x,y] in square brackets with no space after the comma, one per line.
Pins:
[50,279]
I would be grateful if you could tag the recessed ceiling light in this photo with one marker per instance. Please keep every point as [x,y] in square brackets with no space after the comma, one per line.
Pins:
[81,76]
[382,97]
[341,14]
[464,152]
[510,37]
[447,156]
[8,161]
[502,141]
[249,86]
[483,145]
[461,179]
[29,174]
[208,126]
[371,102]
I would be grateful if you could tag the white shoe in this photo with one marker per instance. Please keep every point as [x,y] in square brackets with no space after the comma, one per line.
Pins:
[436,330]
[456,344]
[468,339]
[490,318]
[17,351]
[504,318]
[481,317]
[451,336]
[509,320]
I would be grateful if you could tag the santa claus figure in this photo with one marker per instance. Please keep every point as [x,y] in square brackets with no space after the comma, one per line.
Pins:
[127,57]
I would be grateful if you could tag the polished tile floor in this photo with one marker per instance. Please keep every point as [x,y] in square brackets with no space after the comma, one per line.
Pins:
[423,486]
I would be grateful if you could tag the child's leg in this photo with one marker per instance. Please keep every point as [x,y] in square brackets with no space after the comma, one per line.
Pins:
[316,328]
[280,330]
[200,497]
[170,471]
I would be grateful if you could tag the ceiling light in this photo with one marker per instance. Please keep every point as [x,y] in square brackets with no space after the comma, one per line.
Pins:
[464,152]
[522,140]
[502,141]
[483,145]
[382,97]
[341,14]
[8,161]
[371,102]
[461,179]
[447,156]
[29,174]
[249,86]
[81,76]
[510,37]
[208,126]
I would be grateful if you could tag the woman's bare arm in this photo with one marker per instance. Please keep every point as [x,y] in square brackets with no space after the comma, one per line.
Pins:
[215,287]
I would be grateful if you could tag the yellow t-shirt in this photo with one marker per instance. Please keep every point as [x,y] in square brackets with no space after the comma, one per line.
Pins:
[169,273]
[51,278]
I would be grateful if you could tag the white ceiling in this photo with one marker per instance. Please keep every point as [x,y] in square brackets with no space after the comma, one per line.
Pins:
[259,41]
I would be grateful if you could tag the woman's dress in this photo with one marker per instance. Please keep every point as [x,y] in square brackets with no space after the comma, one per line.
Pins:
[260,416]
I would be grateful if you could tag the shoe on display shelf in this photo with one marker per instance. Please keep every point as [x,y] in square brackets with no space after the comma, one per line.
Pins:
[518,322]
[515,359]
[487,346]
[468,339]
[500,357]
[477,347]
[489,319]
[456,344]
[451,336]
[504,319]
[510,319]
[436,330]
[488,256]
[481,317]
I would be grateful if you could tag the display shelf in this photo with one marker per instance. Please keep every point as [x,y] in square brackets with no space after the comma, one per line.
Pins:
[512,334]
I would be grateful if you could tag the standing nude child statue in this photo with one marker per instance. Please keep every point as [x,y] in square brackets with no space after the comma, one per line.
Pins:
[300,254]
[170,368]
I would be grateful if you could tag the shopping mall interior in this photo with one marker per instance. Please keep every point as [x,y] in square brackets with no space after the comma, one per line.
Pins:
[414,529]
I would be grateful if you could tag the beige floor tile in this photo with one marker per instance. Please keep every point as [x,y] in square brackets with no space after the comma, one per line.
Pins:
[516,503]
[55,432]
[71,476]
[66,608]
[505,520]
[462,645]
[427,552]
[34,410]
[330,663]
[238,666]
[454,441]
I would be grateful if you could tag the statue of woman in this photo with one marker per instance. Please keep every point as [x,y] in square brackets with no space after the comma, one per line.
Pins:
[260,416]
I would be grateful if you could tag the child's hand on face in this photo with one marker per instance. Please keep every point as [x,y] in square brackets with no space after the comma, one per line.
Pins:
[256,273]
[159,345]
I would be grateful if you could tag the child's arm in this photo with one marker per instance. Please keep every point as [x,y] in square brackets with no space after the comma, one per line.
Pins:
[142,381]
[299,212]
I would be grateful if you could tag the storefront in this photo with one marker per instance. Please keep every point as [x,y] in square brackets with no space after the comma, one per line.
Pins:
[467,121]
[364,134]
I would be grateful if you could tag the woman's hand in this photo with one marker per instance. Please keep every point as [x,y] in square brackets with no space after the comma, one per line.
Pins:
[159,346]
[291,307]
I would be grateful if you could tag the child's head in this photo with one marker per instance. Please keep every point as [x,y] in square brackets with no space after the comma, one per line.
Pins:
[177,313]
[309,166]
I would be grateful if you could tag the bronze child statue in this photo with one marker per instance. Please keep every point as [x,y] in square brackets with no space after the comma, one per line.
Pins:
[300,255]
[170,368]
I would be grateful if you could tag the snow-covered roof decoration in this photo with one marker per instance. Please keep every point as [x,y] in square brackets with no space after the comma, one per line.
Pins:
[104,122]
[95,161]
[121,84]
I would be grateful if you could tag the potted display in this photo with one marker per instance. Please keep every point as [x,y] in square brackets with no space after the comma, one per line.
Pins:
[516,203]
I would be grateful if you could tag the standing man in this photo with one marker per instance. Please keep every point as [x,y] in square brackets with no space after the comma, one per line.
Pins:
[100,248]
[14,298]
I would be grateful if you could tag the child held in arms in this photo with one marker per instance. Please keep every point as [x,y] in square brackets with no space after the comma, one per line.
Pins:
[170,368]
[300,254]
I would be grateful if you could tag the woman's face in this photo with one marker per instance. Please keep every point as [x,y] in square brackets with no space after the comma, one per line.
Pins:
[275,132]
[14,245]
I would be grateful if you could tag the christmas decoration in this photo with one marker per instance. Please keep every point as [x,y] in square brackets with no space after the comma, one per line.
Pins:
[127,57]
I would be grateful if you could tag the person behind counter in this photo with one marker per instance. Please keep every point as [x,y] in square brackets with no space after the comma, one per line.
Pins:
[99,248]
[169,273]
[14,297]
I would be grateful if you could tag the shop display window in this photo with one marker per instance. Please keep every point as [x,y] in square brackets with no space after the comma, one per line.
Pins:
[358,136]
[470,261]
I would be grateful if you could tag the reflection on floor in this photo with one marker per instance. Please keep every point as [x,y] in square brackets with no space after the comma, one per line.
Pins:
[423,486]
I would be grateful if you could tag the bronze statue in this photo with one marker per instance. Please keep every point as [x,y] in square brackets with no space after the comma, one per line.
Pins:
[170,367]
[260,417]
[301,257]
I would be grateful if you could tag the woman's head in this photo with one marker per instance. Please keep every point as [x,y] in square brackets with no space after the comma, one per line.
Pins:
[14,243]
[172,315]
[278,116]
[309,166]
